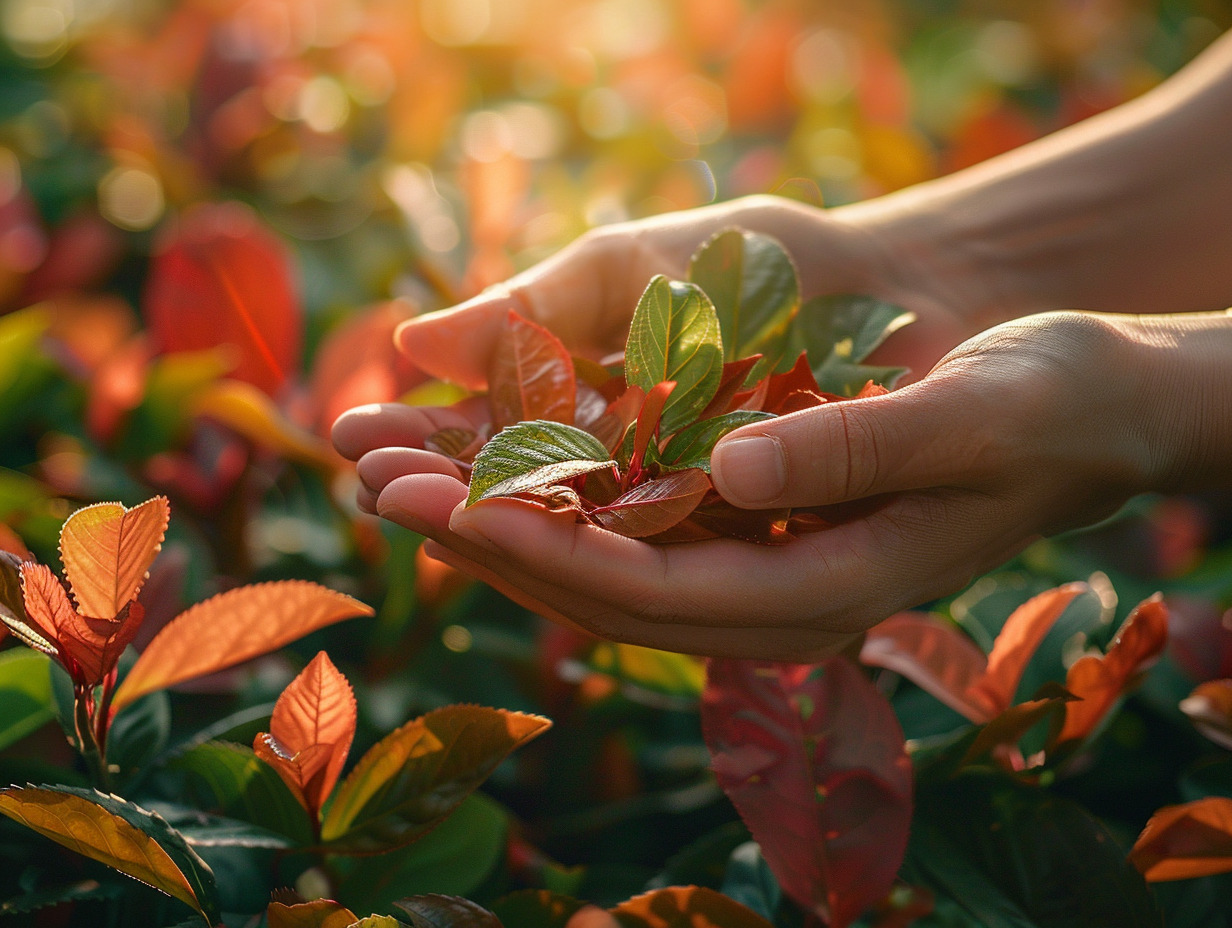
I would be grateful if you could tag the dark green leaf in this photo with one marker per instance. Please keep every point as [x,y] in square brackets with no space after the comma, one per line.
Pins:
[847,379]
[454,858]
[82,891]
[531,455]
[751,882]
[692,445]
[25,694]
[845,328]
[536,908]
[675,335]
[139,733]
[1015,855]
[752,283]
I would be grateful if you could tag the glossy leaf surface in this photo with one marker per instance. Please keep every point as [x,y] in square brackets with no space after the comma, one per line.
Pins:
[415,776]
[531,376]
[1098,682]
[814,761]
[233,627]
[1186,841]
[534,454]
[686,907]
[692,445]
[752,283]
[310,732]
[437,911]
[656,505]
[675,335]
[107,551]
[117,833]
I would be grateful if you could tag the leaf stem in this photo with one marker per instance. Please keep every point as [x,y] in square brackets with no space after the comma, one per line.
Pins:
[87,740]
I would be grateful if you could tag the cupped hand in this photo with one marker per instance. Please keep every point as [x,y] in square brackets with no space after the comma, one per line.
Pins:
[586,293]
[1027,429]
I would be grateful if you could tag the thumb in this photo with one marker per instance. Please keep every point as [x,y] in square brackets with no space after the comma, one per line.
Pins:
[843,450]
[457,344]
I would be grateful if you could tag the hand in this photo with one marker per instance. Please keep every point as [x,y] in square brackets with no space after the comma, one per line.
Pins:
[1032,427]
[587,292]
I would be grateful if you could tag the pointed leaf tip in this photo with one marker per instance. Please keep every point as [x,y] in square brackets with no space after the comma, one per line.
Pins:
[107,551]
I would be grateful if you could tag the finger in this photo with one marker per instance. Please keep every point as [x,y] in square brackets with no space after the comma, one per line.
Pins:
[379,425]
[378,468]
[933,433]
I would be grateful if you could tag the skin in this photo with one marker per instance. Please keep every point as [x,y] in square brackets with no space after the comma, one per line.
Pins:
[1028,416]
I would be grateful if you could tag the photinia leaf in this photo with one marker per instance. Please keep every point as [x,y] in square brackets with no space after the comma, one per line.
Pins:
[415,776]
[1098,682]
[534,454]
[233,627]
[814,761]
[686,907]
[648,419]
[119,834]
[319,913]
[654,506]
[46,608]
[310,732]
[1019,637]
[247,411]
[530,376]
[674,335]
[1209,707]
[1010,726]
[437,911]
[107,551]
[752,283]
[692,445]
[735,375]
[536,908]
[843,329]
[220,278]
[1186,841]
[932,654]
[778,393]
[669,673]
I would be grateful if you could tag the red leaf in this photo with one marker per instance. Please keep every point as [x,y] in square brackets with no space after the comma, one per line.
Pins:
[310,733]
[816,765]
[681,907]
[221,278]
[1209,707]
[1019,637]
[734,375]
[531,375]
[358,363]
[622,412]
[656,505]
[1099,681]
[782,388]
[933,655]
[648,423]
[1186,841]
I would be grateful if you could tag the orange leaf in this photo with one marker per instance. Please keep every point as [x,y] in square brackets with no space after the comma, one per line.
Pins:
[686,907]
[247,411]
[1099,681]
[934,655]
[1209,707]
[1020,636]
[319,913]
[222,278]
[47,608]
[233,627]
[1186,841]
[310,732]
[107,551]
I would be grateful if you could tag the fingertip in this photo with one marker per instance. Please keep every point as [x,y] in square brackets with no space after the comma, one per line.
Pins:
[749,469]
[421,502]
[351,430]
[456,344]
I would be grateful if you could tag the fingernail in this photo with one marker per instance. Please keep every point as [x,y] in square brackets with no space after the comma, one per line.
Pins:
[461,525]
[750,471]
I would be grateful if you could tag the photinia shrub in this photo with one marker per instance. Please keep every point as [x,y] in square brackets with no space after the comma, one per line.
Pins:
[628,449]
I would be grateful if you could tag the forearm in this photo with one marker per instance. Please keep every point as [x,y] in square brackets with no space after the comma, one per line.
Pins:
[1130,211]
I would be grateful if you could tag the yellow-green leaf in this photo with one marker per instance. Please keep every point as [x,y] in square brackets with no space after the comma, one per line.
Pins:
[233,627]
[675,335]
[117,833]
[107,551]
[415,776]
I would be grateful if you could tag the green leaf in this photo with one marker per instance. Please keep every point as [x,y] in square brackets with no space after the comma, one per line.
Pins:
[415,776]
[536,908]
[753,286]
[454,858]
[139,733]
[534,454]
[846,327]
[675,335]
[25,694]
[438,911]
[692,445]
[119,834]
[230,778]
[203,830]
[81,891]
[750,881]
[1017,856]
[847,379]
[12,604]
